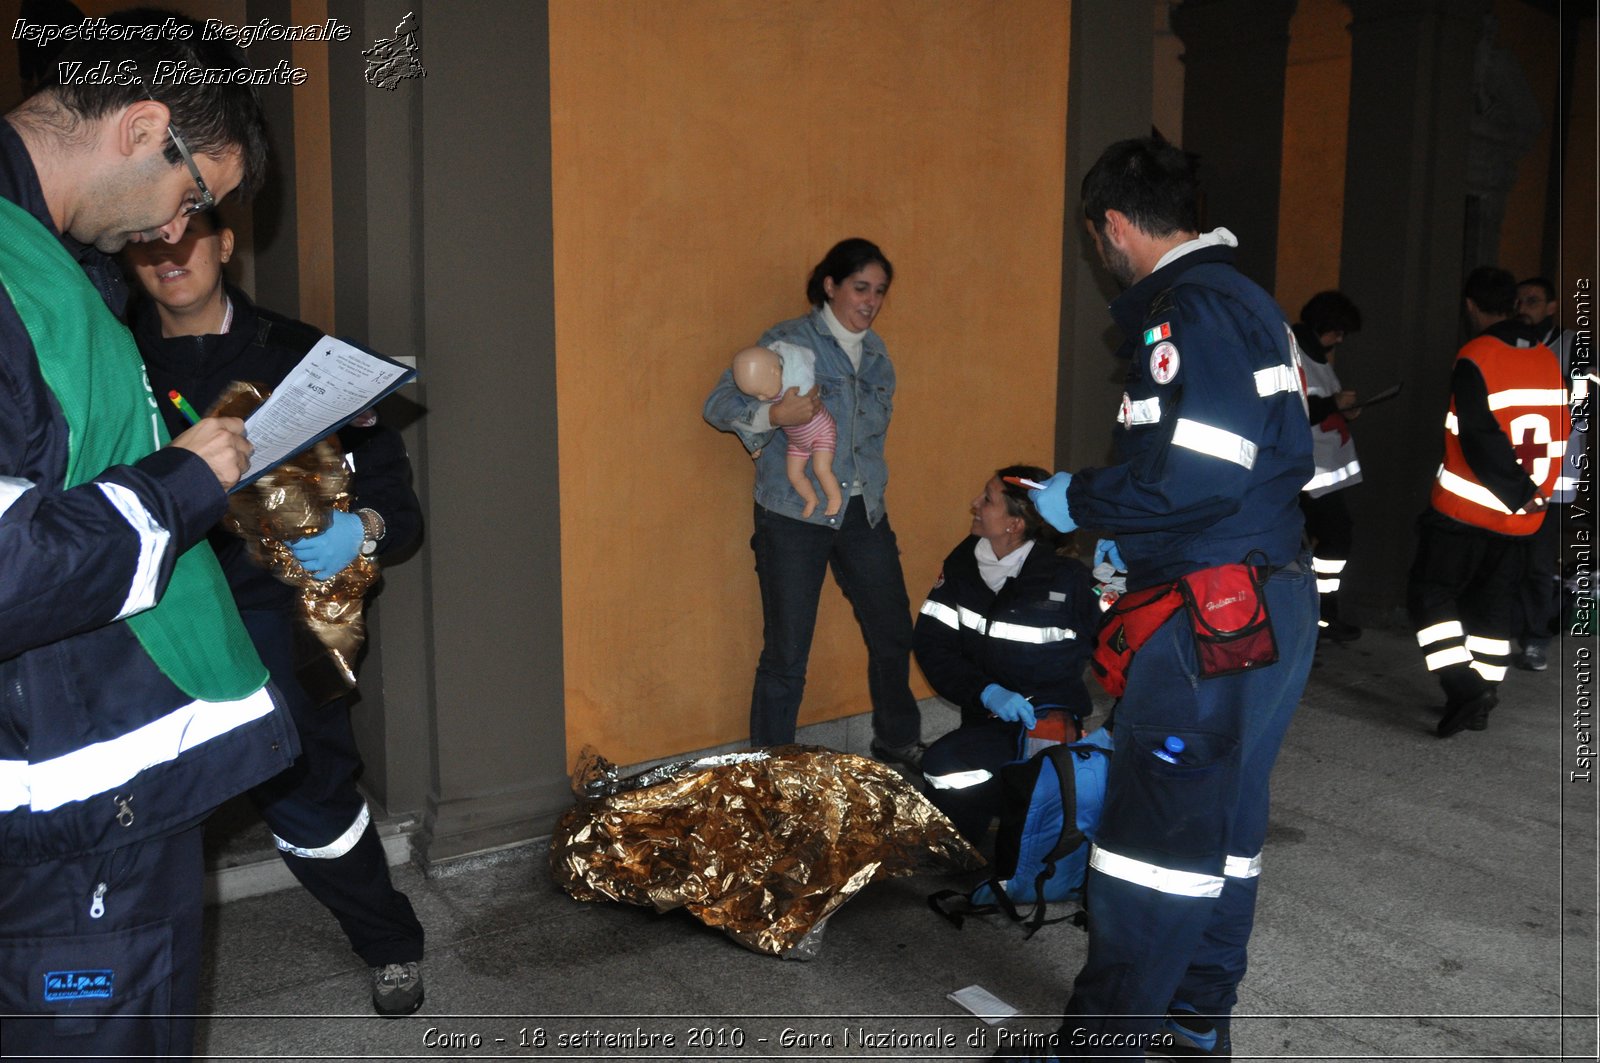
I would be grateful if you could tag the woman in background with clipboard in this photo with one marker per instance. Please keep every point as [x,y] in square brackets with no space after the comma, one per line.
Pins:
[197,334]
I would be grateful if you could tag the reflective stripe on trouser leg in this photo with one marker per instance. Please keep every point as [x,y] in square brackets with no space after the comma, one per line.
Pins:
[1154,876]
[336,848]
[1242,866]
[959,780]
[1491,657]
[1444,644]
[1327,570]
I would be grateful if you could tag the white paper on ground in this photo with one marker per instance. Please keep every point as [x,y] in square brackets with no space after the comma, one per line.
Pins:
[982,1003]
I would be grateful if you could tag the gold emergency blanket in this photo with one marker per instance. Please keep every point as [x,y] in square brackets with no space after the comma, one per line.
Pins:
[764,845]
[288,503]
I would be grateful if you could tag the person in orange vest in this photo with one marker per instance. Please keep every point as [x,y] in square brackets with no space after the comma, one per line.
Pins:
[1505,437]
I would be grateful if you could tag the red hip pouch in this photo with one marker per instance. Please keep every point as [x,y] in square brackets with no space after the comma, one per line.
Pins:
[1228,619]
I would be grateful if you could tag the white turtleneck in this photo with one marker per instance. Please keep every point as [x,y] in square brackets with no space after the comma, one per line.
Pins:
[996,570]
[850,341]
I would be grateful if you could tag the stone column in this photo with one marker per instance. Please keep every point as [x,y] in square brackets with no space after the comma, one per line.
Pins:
[1108,99]
[1235,55]
[443,231]
[1411,106]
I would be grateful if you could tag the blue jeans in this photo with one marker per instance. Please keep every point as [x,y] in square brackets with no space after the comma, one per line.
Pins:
[1153,946]
[791,558]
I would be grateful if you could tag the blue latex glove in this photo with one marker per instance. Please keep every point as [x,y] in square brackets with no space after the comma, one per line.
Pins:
[1106,550]
[1008,705]
[325,553]
[1051,502]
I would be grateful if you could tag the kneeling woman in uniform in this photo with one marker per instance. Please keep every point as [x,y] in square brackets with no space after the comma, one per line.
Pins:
[1004,635]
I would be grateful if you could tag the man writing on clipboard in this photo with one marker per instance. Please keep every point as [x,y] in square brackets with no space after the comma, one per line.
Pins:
[197,334]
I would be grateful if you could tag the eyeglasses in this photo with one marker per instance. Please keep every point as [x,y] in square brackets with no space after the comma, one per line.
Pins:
[206,200]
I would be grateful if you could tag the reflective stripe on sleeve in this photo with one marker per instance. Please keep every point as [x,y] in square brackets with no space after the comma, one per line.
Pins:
[1274,379]
[959,780]
[153,539]
[1333,476]
[94,769]
[11,489]
[941,612]
[1154,876]
[1139,411]
[1497,647]
[336,848]
[1327,586]
[1214,442]
[1328,566]
[1242,866]
[1448,629]
[1035,635]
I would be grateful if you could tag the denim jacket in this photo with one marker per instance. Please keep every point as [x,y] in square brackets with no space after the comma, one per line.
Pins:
[860,401]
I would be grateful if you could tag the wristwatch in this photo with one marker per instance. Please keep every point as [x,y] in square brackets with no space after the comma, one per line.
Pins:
[372,529]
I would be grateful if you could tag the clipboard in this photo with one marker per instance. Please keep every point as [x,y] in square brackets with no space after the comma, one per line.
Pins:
[335,381]
[1383,396]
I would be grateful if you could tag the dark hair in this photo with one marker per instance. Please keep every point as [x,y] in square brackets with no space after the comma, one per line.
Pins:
[1018,504]
[1148,180]
[1492,290]
[845,258]
[1331,312]
[1543,284]
[213,119]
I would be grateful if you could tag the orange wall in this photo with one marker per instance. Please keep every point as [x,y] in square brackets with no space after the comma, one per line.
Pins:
[1531,36]
[1316,112]
[705,155]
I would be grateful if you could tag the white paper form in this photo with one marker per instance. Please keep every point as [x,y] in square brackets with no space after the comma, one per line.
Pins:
[333,382]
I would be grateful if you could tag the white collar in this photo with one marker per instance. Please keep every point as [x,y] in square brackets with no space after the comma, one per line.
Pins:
[1210,239]
[996,570]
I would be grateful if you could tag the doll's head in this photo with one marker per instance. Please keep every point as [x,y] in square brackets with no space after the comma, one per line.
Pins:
[758,372]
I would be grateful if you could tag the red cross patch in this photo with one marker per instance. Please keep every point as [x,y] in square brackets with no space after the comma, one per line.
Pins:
[1163,363]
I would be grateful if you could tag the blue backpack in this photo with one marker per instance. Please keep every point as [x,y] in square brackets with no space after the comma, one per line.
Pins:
[1049,810]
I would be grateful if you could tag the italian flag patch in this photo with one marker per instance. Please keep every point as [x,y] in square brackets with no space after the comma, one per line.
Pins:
[1157,334]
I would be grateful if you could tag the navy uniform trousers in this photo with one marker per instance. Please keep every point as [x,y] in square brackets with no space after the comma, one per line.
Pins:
[104,951]
[1172,882]
[320,819]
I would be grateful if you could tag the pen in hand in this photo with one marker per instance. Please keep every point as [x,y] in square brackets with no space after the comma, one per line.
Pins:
[183,406]
[1023,481]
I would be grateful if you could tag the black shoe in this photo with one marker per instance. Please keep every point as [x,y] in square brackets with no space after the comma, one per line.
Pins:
[1338,631]
[396,989]
[905,756]
[1472,715]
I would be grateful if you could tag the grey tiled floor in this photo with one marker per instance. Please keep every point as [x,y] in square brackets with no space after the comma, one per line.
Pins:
[1421,899]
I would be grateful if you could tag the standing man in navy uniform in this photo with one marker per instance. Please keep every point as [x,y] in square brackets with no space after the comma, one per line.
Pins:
[1214,444]
[131,700]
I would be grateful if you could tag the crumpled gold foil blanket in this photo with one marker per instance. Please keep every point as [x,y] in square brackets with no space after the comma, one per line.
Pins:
[764,845]
[288,503]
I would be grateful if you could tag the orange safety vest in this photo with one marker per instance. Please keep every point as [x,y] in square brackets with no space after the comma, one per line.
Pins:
[1527,398]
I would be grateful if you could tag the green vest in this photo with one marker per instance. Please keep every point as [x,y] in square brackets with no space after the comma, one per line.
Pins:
[91,364]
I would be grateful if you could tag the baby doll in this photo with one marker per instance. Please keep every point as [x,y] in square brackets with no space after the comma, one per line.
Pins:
[766,374]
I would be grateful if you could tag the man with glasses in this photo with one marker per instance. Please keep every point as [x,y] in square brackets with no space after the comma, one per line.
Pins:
[131,700]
